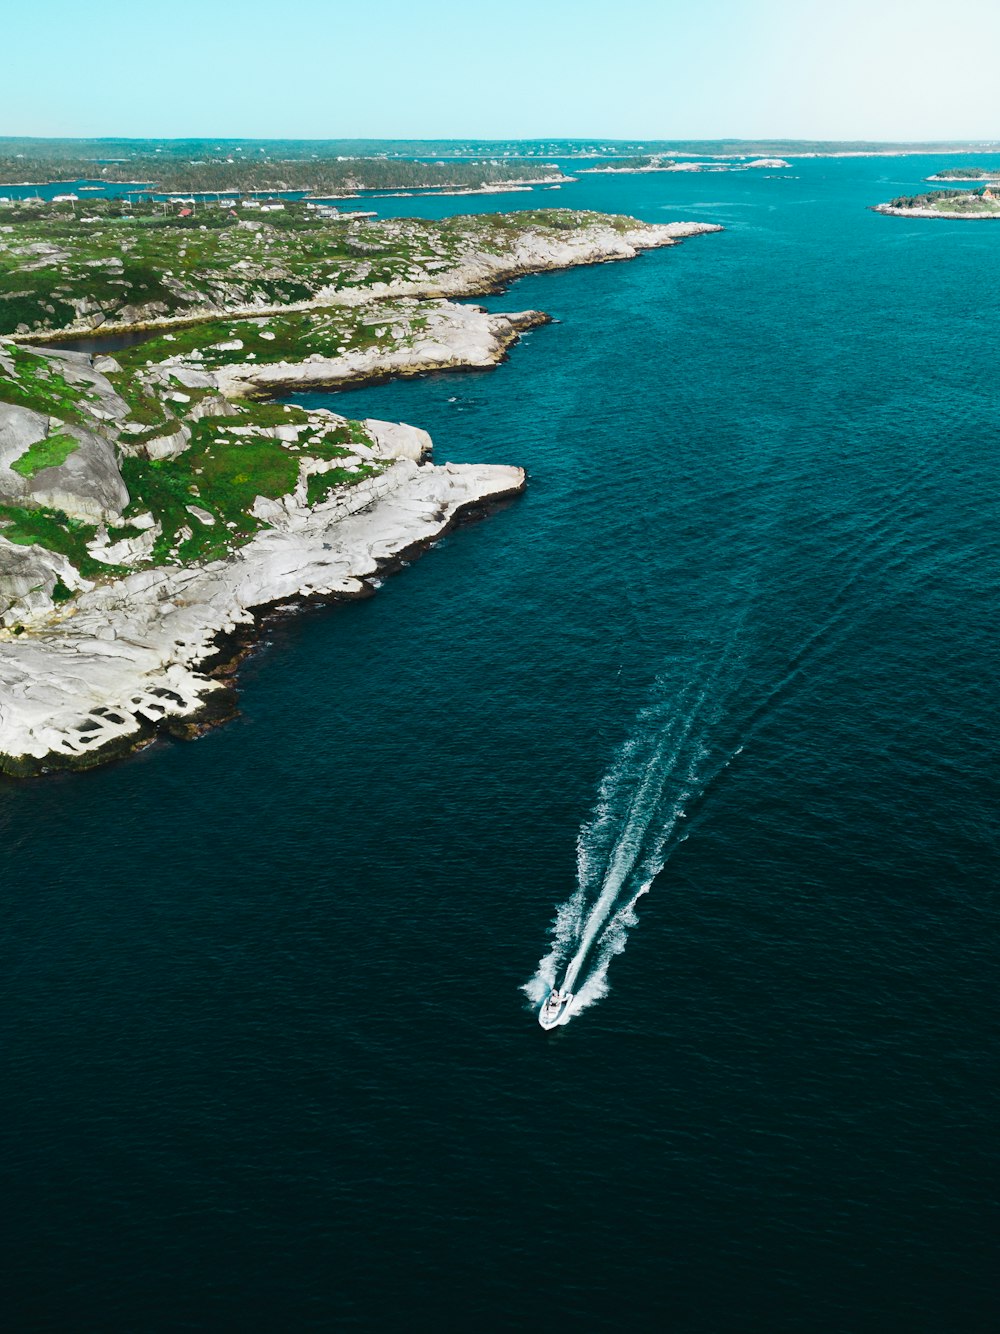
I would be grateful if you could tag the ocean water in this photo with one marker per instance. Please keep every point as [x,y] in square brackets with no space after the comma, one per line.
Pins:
[708,717]
[93,189]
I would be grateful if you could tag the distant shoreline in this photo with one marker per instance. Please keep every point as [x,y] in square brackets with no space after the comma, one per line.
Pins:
[889,211]
[987,178]
[386,192]
[75,180]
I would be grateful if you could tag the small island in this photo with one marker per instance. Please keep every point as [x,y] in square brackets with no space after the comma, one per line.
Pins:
[982,203]
[967,174]
[636,166]
[157,502]
[631,166]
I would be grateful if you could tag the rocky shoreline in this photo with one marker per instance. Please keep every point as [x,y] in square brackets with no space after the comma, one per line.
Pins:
[92,668]
[714,165]
[457,338]
[984,178]
[480,274]
[889,211]
[129,659]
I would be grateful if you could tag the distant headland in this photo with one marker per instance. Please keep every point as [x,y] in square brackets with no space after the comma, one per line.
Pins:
[154,501]
[956,204]
[966,174]
[638,165]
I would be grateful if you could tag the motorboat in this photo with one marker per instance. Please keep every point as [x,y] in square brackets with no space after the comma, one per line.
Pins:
[555,1009]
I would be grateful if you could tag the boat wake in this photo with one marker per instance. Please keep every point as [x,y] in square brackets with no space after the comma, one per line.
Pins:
[655,777]
[684,738]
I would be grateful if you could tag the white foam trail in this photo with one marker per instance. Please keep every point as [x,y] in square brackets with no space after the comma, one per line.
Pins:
[624,846]
[641,812]
[614,935]
[565,930]
[671,757]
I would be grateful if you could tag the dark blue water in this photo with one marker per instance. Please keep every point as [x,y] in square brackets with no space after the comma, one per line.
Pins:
[103,344]
[269,1063]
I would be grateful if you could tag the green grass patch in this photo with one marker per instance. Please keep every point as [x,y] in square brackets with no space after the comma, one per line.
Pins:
[320,485]
[29,298]
[288,337]
[224,473]
[266,415]
[55,531]
[47,453]
[220,474]
[37,383]
[144,407]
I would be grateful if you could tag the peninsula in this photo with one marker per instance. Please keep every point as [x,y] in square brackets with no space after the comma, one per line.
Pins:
[982,203]
[637,166]
[154,503]
[966,174]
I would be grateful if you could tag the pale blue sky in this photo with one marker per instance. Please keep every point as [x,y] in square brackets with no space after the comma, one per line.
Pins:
[876,69]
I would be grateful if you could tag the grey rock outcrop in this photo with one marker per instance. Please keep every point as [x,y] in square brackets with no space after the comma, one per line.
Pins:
[86,485]
[20,428]
[128,655]
[78,368]
[169,445]
[398,440]
[28,578]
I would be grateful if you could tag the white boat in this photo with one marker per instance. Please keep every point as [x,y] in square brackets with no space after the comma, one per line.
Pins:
[555,1009]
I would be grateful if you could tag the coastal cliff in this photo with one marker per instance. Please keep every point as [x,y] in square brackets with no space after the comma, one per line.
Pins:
[128,659]
[153,508]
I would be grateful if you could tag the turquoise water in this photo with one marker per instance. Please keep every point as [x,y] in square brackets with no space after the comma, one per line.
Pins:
[49,189]
[270,1062]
